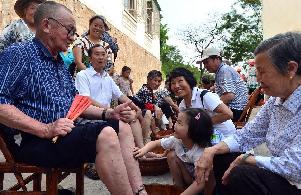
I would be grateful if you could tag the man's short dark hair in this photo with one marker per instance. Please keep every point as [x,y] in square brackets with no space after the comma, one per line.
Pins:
[125,68]
[90,50]
[206,79]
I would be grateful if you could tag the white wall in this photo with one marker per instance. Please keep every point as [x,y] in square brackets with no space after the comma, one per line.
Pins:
[114,13]
[280,16]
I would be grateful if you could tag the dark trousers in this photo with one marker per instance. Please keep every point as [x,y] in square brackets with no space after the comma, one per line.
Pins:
[236,114]
[249,180]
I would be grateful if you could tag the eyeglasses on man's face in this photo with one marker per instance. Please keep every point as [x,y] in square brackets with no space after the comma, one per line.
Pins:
[71,31]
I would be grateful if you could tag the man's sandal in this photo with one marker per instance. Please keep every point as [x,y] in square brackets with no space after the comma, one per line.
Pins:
[141,188]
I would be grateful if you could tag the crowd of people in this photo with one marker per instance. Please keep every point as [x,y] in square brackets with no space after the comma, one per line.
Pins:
[44,63]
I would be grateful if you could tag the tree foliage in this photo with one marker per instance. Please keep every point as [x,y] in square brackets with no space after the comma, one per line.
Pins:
[202,37]
[236,33]
[242,29]
[170,55]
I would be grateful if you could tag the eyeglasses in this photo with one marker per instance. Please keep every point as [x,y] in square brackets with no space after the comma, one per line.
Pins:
[71,31]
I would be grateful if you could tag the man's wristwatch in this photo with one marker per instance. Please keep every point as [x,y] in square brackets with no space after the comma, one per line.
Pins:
[246,155]
[103,116]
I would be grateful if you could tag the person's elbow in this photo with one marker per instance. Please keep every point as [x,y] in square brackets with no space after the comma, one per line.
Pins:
[227,97]
[224,111]
[229,114]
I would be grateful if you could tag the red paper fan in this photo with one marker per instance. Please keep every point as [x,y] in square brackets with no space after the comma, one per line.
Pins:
[78,106]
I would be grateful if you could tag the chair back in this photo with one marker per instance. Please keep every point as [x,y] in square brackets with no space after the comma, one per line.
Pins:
[244,117]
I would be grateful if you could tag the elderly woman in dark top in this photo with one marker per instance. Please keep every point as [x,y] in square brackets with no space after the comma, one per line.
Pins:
[22,29]
[148,102]
[277,123]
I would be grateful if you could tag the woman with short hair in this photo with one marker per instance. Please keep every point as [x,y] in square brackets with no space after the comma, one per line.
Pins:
[22,29]
[183,84]
[148,102]
[278,65]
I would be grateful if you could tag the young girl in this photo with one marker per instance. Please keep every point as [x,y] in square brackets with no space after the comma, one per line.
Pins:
[193,131]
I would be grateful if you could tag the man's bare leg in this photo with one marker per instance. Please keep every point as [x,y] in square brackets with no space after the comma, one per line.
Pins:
[137,133]
[127,146]
[146,125]
[109,163]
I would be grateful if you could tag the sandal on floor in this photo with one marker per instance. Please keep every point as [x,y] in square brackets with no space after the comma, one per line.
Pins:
[141,188]
[90,171]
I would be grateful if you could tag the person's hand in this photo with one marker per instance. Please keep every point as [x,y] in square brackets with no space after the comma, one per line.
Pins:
[139,115]
[60,127]
[122,112]
[139,152]
[131,81]
[238,161]
[128,116]
[81,66]
[204,165]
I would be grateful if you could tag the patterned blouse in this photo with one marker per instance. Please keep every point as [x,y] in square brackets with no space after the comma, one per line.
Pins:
[160,95]
[85,44]
[124,85]
[15,32]
[146,96]
[278,124]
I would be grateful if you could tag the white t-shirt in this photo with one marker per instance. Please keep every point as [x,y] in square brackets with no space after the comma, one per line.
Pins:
[211,101]
[100,87]
[186,155]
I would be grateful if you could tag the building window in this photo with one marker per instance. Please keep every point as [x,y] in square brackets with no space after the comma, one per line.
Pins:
[149,17]
[131,7]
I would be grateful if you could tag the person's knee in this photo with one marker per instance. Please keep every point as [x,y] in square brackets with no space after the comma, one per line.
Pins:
[108,137]
[171,156]
[124,129]
[148,115]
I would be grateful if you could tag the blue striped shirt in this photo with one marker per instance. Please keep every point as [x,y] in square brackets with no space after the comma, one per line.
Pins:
[228,80]
[34,82]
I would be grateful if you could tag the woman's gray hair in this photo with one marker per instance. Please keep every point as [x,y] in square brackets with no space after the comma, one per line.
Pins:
[153,74]
[281,49]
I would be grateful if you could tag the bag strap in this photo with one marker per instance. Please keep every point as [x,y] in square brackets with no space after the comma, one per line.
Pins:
[202,96]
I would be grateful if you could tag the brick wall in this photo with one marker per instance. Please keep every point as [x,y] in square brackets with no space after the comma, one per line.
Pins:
[130,53]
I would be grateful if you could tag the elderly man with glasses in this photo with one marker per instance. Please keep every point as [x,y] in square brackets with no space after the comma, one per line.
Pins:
[36,92]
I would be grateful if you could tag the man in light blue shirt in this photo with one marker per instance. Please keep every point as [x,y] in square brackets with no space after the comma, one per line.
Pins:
[228,84]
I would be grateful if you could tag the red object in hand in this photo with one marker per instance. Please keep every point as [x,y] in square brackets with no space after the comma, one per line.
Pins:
[149,106]
[78,106]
